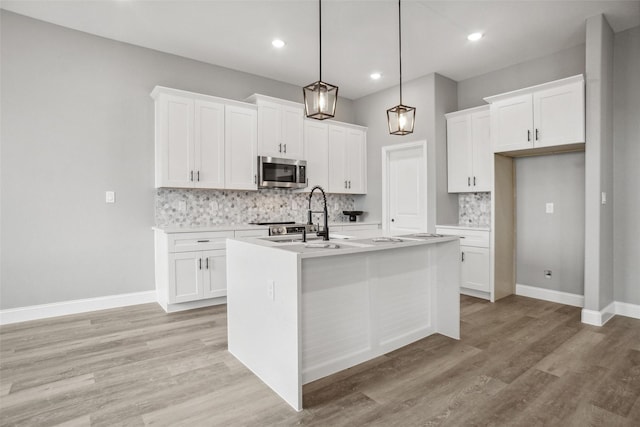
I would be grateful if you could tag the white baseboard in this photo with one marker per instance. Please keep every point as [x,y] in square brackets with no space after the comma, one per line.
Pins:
[550,295]
[44,311]
[626,309]
[598,318]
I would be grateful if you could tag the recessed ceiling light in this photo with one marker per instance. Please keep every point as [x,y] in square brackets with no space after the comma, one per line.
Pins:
[474,37]
[278,43]
[375,76]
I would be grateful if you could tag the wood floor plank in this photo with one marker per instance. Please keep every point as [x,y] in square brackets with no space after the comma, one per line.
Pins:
[520,362]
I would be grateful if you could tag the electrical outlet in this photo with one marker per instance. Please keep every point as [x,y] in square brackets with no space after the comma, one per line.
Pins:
[603,198]
[110,197]
[549,208]
[547,274]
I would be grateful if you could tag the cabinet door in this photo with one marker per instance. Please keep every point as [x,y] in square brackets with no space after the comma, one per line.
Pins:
[174,141]
[512,123]
[482,154]
[459,154]
[356,160]
[292,132]
[269,129]
[209,145]
[185,277]
[215,273]
[475,268]
[559,115]
[316,140]
[337,159]
[241,158]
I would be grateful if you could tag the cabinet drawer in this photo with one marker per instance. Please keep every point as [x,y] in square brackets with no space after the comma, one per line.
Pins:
[185,242]
[476,238]
[252,233]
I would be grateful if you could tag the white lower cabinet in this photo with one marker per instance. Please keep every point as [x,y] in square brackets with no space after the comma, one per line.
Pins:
[191,267]
[475,260]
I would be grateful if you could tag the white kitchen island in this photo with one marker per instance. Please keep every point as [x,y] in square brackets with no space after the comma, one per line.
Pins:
[296,314]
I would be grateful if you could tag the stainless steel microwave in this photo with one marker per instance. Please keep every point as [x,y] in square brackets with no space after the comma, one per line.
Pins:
[275,172]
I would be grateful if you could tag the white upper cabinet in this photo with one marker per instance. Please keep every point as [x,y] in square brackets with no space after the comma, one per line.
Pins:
[547,115]
[280,127]
[204,141]
[469,154]
[347,159]
[174,141]
[316,147]
[209,145]
[241,159]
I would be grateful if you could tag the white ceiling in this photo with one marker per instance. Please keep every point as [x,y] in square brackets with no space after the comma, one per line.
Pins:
[359,37]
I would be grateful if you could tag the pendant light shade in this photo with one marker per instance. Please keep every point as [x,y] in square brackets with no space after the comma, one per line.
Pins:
[401,118]
[320,98]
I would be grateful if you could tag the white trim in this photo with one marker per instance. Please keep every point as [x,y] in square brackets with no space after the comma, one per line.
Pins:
[467,111]
[531,89]
[388,149]
[598,318]
[626,309]
[44,311]
[550,295]
[190,305]
[475,293]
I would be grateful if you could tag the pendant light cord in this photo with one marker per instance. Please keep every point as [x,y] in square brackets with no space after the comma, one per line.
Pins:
[400,47]
[320,32]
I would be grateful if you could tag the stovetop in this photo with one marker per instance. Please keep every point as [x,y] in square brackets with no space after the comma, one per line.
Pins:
[273,223]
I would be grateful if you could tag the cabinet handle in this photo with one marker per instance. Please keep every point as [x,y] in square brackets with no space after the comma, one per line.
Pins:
[200,263]
[528,135]
[468,182]
[255,179]
[280,148]
[203,241]
[198,174]
[207,263]
[285,148]
[537,135]
[474,181]
[345,184]
[462,256]
[191,176]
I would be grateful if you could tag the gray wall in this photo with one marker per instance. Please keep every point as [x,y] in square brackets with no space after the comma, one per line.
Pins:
[598,286]
[550,241]
[565,63]
[626,158]
[77,119]
[432,95]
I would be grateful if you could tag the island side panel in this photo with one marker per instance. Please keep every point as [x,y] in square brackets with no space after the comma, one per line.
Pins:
[445,257]
[359,306]
[263,326]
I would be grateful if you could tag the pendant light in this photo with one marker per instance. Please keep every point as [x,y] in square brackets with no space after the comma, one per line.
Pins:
[320,98]
[401,117]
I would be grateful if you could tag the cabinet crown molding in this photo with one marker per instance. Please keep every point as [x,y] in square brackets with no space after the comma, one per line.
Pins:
[531,89]
[160,90]
[467,111]
[256,98]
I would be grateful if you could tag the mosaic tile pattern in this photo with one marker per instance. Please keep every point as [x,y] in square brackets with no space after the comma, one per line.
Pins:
[474,209]
[227,207]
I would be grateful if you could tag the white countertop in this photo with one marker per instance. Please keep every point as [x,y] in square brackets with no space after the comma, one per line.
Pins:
[465,227]
[234,227]
[345,244]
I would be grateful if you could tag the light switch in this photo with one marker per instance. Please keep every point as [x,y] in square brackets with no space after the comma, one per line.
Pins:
[603,198]
[271,289]
[110,197]
[549,208]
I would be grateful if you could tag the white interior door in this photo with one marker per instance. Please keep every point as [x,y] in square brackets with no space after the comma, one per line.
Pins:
[405,192]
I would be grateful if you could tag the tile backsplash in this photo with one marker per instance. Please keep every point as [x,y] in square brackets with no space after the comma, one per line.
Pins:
[474,209]
[183,207]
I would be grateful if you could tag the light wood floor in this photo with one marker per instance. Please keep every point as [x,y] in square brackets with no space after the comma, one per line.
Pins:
[520,362]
